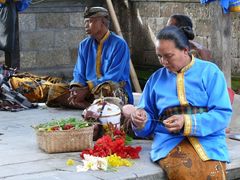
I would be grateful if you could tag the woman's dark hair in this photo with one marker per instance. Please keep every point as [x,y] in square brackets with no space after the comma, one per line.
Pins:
[184,22]
[175,34]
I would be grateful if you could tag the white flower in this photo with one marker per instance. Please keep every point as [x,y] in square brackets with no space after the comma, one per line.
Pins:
[102,163]
[93,163]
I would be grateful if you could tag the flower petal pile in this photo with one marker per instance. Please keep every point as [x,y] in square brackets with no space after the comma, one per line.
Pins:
[110,150]
[116,161]
[102,163]
[113,142]
[106,146]
[93,163]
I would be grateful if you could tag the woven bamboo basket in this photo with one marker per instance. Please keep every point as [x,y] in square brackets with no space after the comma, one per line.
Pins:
[66,140]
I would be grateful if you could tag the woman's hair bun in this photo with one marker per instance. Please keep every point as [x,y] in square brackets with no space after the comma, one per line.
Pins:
[188,31]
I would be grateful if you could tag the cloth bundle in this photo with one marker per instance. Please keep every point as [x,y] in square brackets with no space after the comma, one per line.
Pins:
[35,88]
[11,100]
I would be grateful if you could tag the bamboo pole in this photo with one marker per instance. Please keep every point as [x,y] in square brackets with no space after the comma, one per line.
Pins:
[119,32]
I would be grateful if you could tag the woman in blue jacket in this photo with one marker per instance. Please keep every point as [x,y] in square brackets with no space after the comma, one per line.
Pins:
[186,107]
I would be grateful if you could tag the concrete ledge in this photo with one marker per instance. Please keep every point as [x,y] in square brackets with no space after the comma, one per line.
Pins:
[21,158]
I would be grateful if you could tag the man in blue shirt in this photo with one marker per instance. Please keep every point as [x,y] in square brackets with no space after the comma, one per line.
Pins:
[103,60]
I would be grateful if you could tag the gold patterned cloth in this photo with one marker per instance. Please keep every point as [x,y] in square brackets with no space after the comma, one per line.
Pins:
[111,89]
[34,87]
[59,93]
[183,163]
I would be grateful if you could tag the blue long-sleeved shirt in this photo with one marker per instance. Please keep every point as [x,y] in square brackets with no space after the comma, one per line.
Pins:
[200,84]
[20,5]
[108,60]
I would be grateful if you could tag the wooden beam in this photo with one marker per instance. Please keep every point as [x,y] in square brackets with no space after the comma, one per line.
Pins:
[119,32]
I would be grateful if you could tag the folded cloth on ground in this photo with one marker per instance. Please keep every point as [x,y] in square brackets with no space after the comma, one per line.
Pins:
[11,100]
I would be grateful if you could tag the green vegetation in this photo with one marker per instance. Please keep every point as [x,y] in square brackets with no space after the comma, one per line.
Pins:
[236,83]
[144,72]
[63,124]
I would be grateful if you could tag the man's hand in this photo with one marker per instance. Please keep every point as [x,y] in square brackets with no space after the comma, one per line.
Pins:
[77,95]
[174,123]
[139,118]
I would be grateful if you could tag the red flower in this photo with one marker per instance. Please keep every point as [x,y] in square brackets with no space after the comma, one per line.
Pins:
[113,142]
[55,128]
[68,126]
[106,146]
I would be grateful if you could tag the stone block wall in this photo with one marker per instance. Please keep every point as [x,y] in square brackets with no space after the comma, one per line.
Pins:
[148,17]
[235,50]
[50,31]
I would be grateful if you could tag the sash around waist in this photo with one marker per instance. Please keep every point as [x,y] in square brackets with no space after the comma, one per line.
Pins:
[181,110]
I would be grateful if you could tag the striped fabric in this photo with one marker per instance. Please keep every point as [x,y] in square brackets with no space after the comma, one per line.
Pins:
[234,5]
[11,100]
[5,71]
[181,110]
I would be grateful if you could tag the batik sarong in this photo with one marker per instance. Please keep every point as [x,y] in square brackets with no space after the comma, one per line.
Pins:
[183,163]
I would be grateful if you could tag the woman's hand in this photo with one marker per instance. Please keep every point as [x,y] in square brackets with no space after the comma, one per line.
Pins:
[128,110]
[139,118]
[174,123]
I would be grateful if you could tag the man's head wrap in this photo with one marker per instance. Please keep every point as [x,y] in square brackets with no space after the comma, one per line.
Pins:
[96,12]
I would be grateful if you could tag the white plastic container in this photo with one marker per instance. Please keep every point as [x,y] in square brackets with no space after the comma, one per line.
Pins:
[108,112]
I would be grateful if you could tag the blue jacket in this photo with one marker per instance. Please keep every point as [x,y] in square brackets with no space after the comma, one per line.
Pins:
[200,84]
[108,60]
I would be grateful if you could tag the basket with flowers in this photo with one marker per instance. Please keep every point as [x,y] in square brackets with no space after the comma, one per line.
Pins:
[65,135]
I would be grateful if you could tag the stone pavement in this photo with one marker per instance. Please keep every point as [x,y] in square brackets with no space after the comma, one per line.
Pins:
[20,158]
